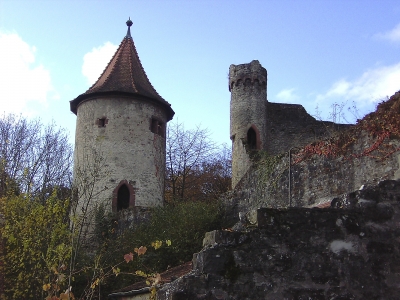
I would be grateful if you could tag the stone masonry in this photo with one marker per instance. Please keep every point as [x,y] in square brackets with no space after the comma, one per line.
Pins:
[248,87]
[280,248]
[348,251]
[257,124]
[125,147]
[119,157]
[281,181]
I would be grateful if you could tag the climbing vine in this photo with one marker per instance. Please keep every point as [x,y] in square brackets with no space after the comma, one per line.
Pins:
[381,127]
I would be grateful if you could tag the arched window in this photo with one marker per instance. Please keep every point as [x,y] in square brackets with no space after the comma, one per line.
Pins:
[252,139]
[123,198]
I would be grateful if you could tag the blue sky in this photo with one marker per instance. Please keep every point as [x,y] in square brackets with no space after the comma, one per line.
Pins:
[317,53]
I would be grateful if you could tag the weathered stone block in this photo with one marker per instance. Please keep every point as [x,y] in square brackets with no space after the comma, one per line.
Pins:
[304,253]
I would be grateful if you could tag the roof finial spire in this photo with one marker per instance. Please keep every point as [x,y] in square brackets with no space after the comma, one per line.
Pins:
[129,24]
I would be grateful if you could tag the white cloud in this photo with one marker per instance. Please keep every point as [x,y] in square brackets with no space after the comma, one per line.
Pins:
[287,96]
[391,35]
[22,82]
[371,87]
[360,96]
[95,61]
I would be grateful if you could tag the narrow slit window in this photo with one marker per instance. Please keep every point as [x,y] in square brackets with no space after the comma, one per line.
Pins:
[252,139]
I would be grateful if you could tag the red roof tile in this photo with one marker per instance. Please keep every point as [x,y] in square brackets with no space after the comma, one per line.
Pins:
[324,205]
[176,272]
[124,74]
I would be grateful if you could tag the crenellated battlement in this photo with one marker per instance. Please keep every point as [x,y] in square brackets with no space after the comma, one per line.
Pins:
[247,80]
[257,124]
[247,74]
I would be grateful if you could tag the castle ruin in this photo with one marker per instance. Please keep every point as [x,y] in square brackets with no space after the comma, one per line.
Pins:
[291,252]
[257,124]
[316,218]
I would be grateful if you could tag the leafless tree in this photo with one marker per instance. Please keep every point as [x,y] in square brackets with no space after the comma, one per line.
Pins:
[192,162]
[33,158]
[216,174]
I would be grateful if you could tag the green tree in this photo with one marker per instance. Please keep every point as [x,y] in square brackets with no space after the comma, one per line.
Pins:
[37,245]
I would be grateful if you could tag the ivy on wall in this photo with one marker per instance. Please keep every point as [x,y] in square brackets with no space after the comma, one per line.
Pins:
[381,126]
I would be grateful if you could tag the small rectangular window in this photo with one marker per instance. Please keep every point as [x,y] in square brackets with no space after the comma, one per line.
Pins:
[157,127]
[102,122]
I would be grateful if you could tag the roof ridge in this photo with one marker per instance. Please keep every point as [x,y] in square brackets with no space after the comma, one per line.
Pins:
[130,63]
[112,61]
[144,72]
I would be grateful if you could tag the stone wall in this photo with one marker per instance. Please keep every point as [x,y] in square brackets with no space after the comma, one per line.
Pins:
[273,183]
[352,252]
[248,87]
[290,126]
[132,217]
[278,127]
[123,151]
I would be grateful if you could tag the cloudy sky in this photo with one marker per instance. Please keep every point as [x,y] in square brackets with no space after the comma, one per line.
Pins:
[318,53]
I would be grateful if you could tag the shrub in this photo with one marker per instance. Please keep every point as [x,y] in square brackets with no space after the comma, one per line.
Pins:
[184,223]
[37,244]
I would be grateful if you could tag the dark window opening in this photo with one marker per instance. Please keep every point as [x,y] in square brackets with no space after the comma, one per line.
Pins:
[157,127]
[123,198]
[252,139]
[102,122]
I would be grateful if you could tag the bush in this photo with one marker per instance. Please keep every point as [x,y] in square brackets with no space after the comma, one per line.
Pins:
[37,244]
[184,223]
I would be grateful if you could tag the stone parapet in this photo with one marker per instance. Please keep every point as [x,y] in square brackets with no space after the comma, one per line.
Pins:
[253,73]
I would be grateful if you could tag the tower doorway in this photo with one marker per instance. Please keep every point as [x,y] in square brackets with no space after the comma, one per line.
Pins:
[123,198]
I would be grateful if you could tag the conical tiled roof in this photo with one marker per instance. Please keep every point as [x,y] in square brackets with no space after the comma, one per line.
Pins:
[124,74]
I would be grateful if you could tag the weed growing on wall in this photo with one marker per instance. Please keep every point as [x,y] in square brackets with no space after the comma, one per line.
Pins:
[270,171]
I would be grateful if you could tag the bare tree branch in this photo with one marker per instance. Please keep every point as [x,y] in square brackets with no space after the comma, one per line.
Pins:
[35,158]
[191,155]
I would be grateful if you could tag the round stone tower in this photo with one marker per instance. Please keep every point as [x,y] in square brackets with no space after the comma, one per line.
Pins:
[248,87]
[119,158]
